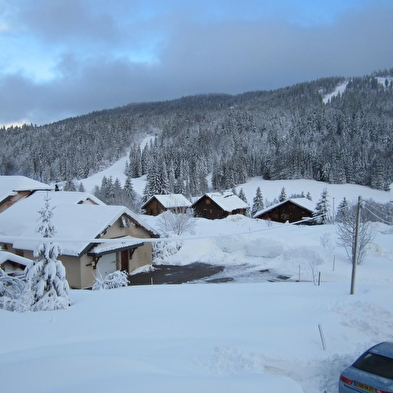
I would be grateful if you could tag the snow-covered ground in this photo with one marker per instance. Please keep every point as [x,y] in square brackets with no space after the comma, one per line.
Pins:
[246,335]
[243,336]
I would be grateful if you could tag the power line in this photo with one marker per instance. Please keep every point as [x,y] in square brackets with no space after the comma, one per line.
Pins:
[11,239]
[376,216]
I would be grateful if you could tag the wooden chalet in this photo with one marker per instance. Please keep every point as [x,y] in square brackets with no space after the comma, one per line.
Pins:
[217,205]
[291,210]
[157,204]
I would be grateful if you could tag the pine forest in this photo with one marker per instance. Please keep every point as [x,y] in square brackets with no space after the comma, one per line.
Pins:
[289,133]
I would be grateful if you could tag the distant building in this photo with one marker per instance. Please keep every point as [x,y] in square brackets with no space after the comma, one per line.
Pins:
[177,203]
[216,205]
[290,210]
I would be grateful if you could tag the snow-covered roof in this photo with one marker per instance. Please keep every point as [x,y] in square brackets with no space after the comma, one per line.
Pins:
[75,223]
[21,183]
[61,197]
[171,200]
[122,243]
[305,203]
[227,201]
[9,256]
[9,185]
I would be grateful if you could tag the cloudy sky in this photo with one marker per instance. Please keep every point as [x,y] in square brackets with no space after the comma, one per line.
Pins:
[61,58]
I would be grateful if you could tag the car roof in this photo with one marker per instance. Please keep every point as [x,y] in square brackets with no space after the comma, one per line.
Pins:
[384,348]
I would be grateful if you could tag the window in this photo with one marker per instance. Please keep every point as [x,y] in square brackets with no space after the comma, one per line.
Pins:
[375,364]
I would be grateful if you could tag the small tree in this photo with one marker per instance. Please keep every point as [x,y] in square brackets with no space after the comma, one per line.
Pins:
[46,276]
[283,195]
[257,202]
[322,210]
[342,211]
[176,223]
[346,229]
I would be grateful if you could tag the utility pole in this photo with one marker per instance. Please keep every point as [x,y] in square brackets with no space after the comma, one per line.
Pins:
[355,247]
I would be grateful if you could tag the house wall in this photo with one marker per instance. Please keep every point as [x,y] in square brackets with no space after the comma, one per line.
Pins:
[206,208]
[142,255]
[286,212]
[154,208]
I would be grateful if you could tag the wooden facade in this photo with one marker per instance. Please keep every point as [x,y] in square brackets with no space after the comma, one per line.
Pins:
[208,207]
[153,207]
[158,204]
[287,211]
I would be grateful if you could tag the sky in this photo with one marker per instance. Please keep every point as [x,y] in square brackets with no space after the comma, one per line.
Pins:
[62,58]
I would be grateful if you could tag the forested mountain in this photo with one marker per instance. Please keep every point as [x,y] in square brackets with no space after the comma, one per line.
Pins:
[287,133]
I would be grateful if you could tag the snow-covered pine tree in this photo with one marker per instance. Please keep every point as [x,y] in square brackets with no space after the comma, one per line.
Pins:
[283,195]
[129,194]
[46,276]
[257,202]
[242,195]
[322,210]
[342,211]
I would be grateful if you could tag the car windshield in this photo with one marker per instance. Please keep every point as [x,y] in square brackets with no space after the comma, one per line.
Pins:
[375,364]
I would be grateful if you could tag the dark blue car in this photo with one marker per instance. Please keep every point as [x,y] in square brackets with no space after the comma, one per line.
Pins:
[372,372]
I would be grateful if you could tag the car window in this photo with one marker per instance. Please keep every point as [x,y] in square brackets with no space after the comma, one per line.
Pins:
[375,364]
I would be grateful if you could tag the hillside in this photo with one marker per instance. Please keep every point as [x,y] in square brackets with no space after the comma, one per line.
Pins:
[309,130]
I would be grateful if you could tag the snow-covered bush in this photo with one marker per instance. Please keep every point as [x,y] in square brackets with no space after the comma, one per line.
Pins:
[164,249]
[116,279]
[13,296]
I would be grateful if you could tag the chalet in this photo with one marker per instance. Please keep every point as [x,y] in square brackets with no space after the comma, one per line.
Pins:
[291,210]
[95,238]
[217,205]
[177,203]
[15,188]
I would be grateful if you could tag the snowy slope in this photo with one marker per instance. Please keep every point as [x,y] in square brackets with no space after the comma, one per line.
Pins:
[340,89]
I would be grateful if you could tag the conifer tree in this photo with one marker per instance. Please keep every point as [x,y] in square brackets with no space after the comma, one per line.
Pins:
[283,195]
[342,211]
[322,210]
[242,195]
[257,202]
[46,276]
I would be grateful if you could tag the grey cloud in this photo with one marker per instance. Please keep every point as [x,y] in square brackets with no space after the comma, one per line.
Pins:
[227,56]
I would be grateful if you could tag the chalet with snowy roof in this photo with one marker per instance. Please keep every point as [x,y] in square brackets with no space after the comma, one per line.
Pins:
[290,210]
[176,203]
[217,205]
[95,238]
[15,188]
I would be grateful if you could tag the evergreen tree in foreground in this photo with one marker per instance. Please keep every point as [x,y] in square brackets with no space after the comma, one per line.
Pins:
[46,276]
